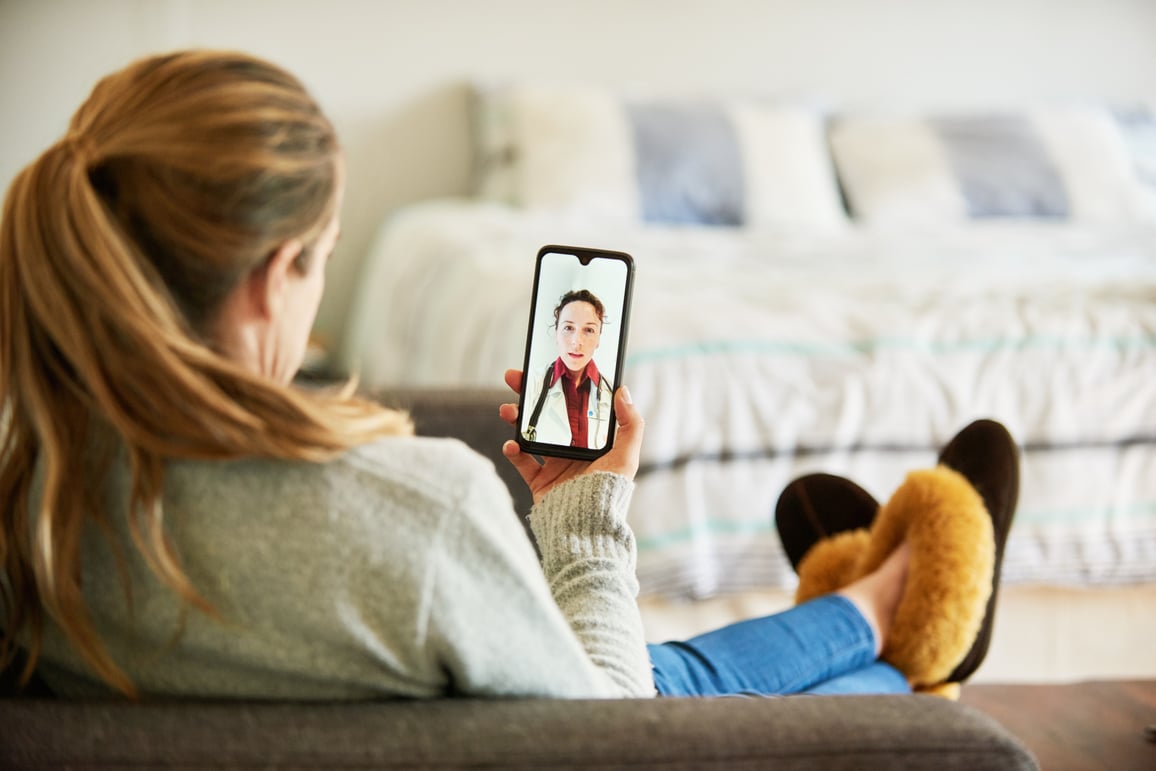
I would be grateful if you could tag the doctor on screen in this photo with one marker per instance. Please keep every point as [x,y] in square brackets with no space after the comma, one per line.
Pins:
[570,401]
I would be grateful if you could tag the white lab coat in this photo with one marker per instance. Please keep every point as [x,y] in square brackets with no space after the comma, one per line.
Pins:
[554,424]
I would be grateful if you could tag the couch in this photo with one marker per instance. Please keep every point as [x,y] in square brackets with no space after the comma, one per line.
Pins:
[805,732]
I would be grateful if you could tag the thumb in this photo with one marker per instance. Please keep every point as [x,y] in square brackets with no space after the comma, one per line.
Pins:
[627,414]
[627,436]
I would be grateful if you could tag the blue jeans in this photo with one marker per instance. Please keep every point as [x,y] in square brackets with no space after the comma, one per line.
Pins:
[822,646]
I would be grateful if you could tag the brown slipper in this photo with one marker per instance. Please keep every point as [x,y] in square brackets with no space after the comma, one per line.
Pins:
[987,456]
[941,517]
[831,564]
[817,506]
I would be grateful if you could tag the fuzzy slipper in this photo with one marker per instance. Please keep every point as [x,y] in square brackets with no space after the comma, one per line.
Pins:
[949,577]
[831,564]
[986,454]
[956,517]
[817,506]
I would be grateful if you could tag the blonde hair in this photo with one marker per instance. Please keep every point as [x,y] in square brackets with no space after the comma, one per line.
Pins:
[178,176]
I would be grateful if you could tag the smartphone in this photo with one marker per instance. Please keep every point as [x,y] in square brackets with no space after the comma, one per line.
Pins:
[575,347]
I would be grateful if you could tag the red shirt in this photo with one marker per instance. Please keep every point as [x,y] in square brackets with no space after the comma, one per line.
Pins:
[577,392]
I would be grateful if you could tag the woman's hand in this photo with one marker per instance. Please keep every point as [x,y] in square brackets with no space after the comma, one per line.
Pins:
[541,477]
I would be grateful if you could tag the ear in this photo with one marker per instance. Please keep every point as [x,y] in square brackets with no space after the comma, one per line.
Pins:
[267,284]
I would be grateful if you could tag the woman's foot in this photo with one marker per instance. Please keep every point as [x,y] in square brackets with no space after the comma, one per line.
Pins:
[818,506]
[877,594]
[960,514]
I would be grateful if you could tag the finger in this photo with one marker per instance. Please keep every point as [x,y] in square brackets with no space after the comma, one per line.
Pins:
[626,414]
[514,380]
[509,413]
[624,458]
[527,467]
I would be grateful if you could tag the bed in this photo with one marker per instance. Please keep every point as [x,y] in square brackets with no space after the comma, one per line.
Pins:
[828,292]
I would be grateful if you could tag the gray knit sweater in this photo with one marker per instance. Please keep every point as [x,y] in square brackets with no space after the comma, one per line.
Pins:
[399,569]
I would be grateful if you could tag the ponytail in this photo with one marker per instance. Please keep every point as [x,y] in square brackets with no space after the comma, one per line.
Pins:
[115,251]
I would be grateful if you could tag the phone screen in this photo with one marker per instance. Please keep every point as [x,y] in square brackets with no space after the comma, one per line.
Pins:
[575,346]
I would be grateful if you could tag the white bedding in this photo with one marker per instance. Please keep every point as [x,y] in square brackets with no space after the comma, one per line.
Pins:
[758,356]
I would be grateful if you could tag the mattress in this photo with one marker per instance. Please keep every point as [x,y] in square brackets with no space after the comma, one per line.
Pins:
[759,355]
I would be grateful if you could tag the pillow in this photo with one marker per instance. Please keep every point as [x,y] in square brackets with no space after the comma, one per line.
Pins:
[589,152]
[1064,163]
[1138,125]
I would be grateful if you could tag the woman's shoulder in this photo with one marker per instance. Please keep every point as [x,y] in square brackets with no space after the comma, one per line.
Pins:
[426,463]
[414,474]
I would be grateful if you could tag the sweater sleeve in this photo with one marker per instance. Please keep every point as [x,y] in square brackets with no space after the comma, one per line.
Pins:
[589,559]
[502,627]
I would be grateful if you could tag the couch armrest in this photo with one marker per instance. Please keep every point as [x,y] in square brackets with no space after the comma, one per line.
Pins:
[801,732]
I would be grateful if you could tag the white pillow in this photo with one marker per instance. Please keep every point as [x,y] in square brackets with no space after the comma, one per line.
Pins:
[1138,125]
[1059,163]
[588,151]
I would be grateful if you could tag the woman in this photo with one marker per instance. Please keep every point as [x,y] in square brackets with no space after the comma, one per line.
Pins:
[178,518]
[571,403]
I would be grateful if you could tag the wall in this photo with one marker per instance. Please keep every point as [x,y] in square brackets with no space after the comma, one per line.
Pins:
[392,73]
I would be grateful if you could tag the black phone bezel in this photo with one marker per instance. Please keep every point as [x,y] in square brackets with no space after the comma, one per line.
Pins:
[585,255]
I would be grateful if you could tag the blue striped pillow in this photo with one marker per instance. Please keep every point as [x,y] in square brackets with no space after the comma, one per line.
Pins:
[1058,163]
[588,152]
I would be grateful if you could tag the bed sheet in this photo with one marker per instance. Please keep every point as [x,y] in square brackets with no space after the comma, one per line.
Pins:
[756,356]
